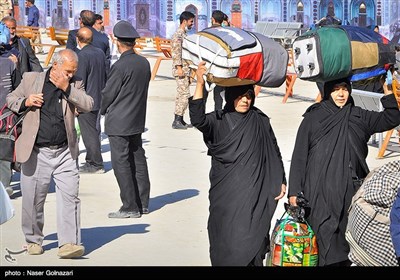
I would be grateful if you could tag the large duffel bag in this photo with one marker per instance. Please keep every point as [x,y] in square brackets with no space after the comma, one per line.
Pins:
[368,227]
[236,57]
[333,52]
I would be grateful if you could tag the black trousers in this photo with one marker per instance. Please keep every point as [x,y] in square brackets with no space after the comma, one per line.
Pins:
[130,168]
[217,96]
[89,124]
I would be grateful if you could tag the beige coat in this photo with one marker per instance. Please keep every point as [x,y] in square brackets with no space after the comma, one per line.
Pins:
[32,83]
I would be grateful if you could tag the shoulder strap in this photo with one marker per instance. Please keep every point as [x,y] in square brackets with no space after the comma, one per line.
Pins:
[6,114]
[19,120]
[22,116]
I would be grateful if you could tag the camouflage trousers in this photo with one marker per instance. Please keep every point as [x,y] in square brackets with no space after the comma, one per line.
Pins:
[38,40]
[182,95]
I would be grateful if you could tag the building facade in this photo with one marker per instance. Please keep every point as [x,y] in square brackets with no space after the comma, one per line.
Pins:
[161,17]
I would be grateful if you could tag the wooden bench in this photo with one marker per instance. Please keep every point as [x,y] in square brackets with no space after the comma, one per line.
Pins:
[162,43]
[291,77]
[59,36]
[164,46]
[140,43]
[29,32]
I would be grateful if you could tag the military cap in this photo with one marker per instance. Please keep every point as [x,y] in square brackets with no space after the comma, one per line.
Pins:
[125,30]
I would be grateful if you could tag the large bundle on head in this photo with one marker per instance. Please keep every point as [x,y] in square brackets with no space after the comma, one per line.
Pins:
[333,52]
[236,57]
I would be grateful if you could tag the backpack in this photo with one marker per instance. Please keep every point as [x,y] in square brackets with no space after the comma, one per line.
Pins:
[334,52]
[368,228]
[236,57]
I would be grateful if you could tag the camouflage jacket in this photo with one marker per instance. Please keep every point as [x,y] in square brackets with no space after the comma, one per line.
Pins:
[176,51]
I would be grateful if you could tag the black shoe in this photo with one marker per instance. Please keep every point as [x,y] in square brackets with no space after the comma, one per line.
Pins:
[91,169]
[188,125]
[178,125]
[145,211]
[124,214]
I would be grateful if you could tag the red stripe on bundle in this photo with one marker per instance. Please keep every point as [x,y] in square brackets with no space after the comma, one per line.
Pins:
[251,67]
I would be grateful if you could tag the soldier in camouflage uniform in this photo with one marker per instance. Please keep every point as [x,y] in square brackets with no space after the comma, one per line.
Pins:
[5,8]
[180,70]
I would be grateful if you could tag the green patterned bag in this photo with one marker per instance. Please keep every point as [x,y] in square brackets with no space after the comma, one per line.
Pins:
[293,243]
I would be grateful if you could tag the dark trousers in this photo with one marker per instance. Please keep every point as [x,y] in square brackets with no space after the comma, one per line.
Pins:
[89,124]
[217,96]
[130,168]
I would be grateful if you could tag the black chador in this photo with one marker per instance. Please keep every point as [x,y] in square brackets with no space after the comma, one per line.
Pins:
[246,175]
[328,163]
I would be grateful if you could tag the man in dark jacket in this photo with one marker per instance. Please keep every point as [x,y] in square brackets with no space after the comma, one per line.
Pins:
[92,70]
[100,40]
[21,47]
[124,105]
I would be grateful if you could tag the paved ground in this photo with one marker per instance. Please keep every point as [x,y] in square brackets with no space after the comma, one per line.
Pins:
[175,231]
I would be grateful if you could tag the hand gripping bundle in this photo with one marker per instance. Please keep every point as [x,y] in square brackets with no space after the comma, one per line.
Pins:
[333,52]
[236,57]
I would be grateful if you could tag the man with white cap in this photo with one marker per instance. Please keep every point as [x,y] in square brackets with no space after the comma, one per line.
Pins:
[124,105]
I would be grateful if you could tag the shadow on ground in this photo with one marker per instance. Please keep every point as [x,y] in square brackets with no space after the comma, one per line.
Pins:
[160,201]
[95,238]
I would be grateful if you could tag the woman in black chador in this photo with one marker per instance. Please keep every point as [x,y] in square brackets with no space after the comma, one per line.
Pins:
[247,175]
[328,162]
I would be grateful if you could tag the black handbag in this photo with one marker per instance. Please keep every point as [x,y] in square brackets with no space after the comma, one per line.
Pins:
[8,137]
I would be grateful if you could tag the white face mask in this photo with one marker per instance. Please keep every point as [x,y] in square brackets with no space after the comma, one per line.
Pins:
[187,28]
[12,36]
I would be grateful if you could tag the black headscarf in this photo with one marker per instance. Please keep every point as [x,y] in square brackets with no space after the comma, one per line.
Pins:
[329,86]
[231,93]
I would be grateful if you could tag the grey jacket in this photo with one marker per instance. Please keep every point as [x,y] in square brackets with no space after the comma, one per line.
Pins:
[32,83]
